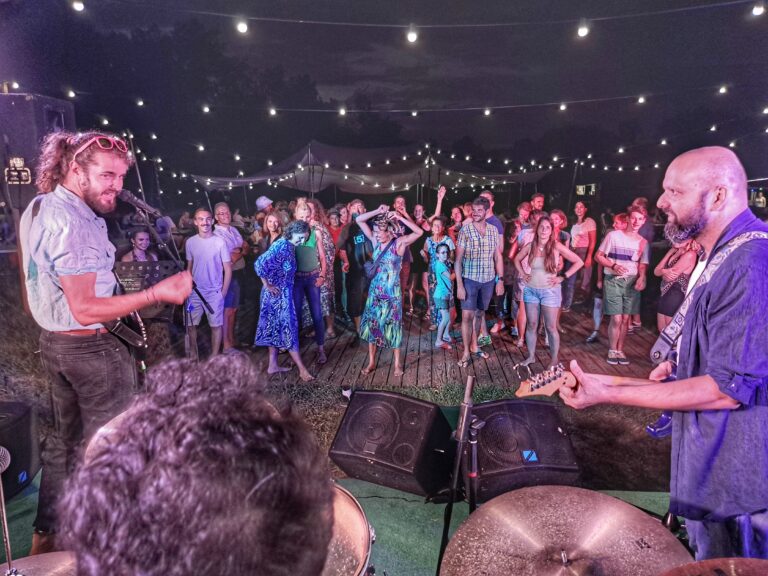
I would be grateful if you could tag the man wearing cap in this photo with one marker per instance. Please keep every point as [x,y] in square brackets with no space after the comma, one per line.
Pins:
[264,205]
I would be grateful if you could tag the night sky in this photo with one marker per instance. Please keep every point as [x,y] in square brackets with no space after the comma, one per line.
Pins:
[677,61]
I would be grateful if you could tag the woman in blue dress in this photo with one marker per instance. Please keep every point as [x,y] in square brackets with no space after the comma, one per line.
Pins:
[382,322]
[278,326]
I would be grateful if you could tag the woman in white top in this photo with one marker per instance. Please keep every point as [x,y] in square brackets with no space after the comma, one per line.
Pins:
[583,243]
[538,263]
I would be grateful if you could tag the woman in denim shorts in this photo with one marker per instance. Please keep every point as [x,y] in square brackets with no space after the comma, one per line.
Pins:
[538,263]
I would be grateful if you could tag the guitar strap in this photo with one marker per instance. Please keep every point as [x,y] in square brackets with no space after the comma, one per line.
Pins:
[666,343]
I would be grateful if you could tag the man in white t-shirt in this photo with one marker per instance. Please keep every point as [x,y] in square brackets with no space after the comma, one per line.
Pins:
[209,261]
[625,259]
[237,249]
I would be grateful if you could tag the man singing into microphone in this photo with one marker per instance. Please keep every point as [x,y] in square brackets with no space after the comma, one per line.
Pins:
[70,285]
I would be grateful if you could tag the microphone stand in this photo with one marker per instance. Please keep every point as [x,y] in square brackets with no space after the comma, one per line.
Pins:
[176,259]
[462,427]
[472,467]
[5,461]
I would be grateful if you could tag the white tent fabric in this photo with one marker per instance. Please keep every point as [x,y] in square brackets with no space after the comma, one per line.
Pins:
[318,166]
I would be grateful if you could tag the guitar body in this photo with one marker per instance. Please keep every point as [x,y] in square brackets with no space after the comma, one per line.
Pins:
[546,383]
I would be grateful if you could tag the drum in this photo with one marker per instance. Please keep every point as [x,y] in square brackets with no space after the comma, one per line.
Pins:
[104,436]
[349,552]
[51,564]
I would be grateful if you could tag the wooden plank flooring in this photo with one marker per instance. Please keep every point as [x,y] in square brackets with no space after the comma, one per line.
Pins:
[427,366]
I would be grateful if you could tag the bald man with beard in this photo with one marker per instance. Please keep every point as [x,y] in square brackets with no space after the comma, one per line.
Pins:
[719,398]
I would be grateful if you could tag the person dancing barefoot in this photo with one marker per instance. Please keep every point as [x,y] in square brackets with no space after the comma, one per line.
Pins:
[382,322]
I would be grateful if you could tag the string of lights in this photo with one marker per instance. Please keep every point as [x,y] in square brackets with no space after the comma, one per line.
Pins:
[412,31]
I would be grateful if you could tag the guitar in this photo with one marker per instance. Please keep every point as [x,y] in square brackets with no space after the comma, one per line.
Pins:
[546,383]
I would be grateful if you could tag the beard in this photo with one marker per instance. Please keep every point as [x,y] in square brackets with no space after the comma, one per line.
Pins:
[685,229]
[95,201]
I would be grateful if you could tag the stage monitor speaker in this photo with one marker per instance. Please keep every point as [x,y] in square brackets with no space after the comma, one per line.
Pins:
[396,441]
[18,434]
[25,119]
[523,443]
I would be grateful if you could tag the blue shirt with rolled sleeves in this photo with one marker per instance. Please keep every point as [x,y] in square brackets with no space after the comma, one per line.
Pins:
[65,238]
[720,457]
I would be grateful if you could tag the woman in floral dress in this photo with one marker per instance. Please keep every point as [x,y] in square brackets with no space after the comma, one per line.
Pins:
[278,326]
[381,324]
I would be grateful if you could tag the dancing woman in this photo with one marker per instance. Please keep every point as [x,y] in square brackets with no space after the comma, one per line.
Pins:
[381,325]
[542,292]
[278,325]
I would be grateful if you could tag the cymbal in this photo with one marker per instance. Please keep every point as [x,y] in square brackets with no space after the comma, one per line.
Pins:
[722,567]
[51,564]
[561,530]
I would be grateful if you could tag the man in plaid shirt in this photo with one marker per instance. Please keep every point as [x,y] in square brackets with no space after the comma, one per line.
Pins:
[479,267]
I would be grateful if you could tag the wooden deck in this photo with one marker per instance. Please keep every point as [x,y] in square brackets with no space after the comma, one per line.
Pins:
[427,366]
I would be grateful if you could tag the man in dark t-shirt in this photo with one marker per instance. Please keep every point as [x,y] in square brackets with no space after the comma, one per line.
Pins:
[355,249]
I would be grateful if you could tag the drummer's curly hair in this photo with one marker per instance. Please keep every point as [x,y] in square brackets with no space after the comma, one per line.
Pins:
[203,476]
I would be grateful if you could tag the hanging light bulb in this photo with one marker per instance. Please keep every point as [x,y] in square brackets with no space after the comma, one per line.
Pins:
[80,6]
[414,113]
[237,157]
[713,128]
[139,102]
[663,141]
[723,89]
[758,9]
[621,149]
[71,94]
[641,100]
[342,111]
[583,29]
[104,122]
[563,107]
[206,109]
[153,136]
[412,34]
[242,26]
[487,112]
[200,148]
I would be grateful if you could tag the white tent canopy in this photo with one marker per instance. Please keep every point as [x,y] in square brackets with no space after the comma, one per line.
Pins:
[318,166]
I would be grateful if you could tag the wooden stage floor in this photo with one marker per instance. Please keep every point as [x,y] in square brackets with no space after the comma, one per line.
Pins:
[426,366]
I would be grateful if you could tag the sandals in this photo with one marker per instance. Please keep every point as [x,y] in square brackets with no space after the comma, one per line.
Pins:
[481,355]
[463,363]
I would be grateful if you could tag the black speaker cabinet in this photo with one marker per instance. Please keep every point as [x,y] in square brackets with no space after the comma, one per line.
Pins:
[394,440]
[523,443]
[18,435]
[25,119]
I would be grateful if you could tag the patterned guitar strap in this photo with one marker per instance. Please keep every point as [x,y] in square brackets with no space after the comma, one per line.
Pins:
[666,343]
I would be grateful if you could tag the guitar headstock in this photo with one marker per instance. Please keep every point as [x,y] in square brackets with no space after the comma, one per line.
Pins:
[546,383]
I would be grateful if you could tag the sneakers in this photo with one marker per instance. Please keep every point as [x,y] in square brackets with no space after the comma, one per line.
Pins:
[613,358]
[497,327]
[483,341]
[623,360]
[592,338]
[662,427]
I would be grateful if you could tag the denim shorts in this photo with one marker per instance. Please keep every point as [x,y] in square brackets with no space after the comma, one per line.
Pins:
[479,295]
[550,297]
[232,299]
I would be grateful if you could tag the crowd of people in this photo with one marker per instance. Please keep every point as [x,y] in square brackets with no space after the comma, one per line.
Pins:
[468,277]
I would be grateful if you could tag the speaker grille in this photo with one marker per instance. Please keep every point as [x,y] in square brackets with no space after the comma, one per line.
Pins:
[372,426]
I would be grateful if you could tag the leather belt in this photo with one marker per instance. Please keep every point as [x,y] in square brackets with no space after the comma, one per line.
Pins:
[83,332]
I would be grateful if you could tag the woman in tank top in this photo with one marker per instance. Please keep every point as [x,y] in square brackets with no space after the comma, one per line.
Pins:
[675,271]
[538,263]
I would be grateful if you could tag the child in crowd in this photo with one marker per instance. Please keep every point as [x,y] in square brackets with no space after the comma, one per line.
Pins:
[443,295]
[429,253]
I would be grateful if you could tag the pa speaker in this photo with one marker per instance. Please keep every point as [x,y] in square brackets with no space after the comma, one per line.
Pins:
[396,441]
[523,443]
[18,434]
[25,119]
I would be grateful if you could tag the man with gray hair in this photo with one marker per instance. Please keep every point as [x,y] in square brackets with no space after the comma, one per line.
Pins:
[720,390]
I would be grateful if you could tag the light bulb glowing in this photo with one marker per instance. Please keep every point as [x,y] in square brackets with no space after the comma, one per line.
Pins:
[722,90]
[139,102]
[663,141]
[104,122]
[342,111]
[414,113]
[206,109]
[732,144]
[563,107]
[272,112]
[713,128]
[487,111]
[583,29]
[71,94]
[153,136]
[242,27]
[412,35]
[79,6]
[621,149]
[200,148]
[641,100]
[758,9]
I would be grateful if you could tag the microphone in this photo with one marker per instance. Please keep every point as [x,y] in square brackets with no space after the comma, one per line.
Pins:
[135,201]
[5,459]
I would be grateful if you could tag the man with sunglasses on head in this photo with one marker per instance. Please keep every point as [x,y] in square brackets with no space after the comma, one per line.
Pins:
[70,287]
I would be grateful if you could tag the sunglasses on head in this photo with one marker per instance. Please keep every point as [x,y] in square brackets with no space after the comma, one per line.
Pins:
[103,142]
